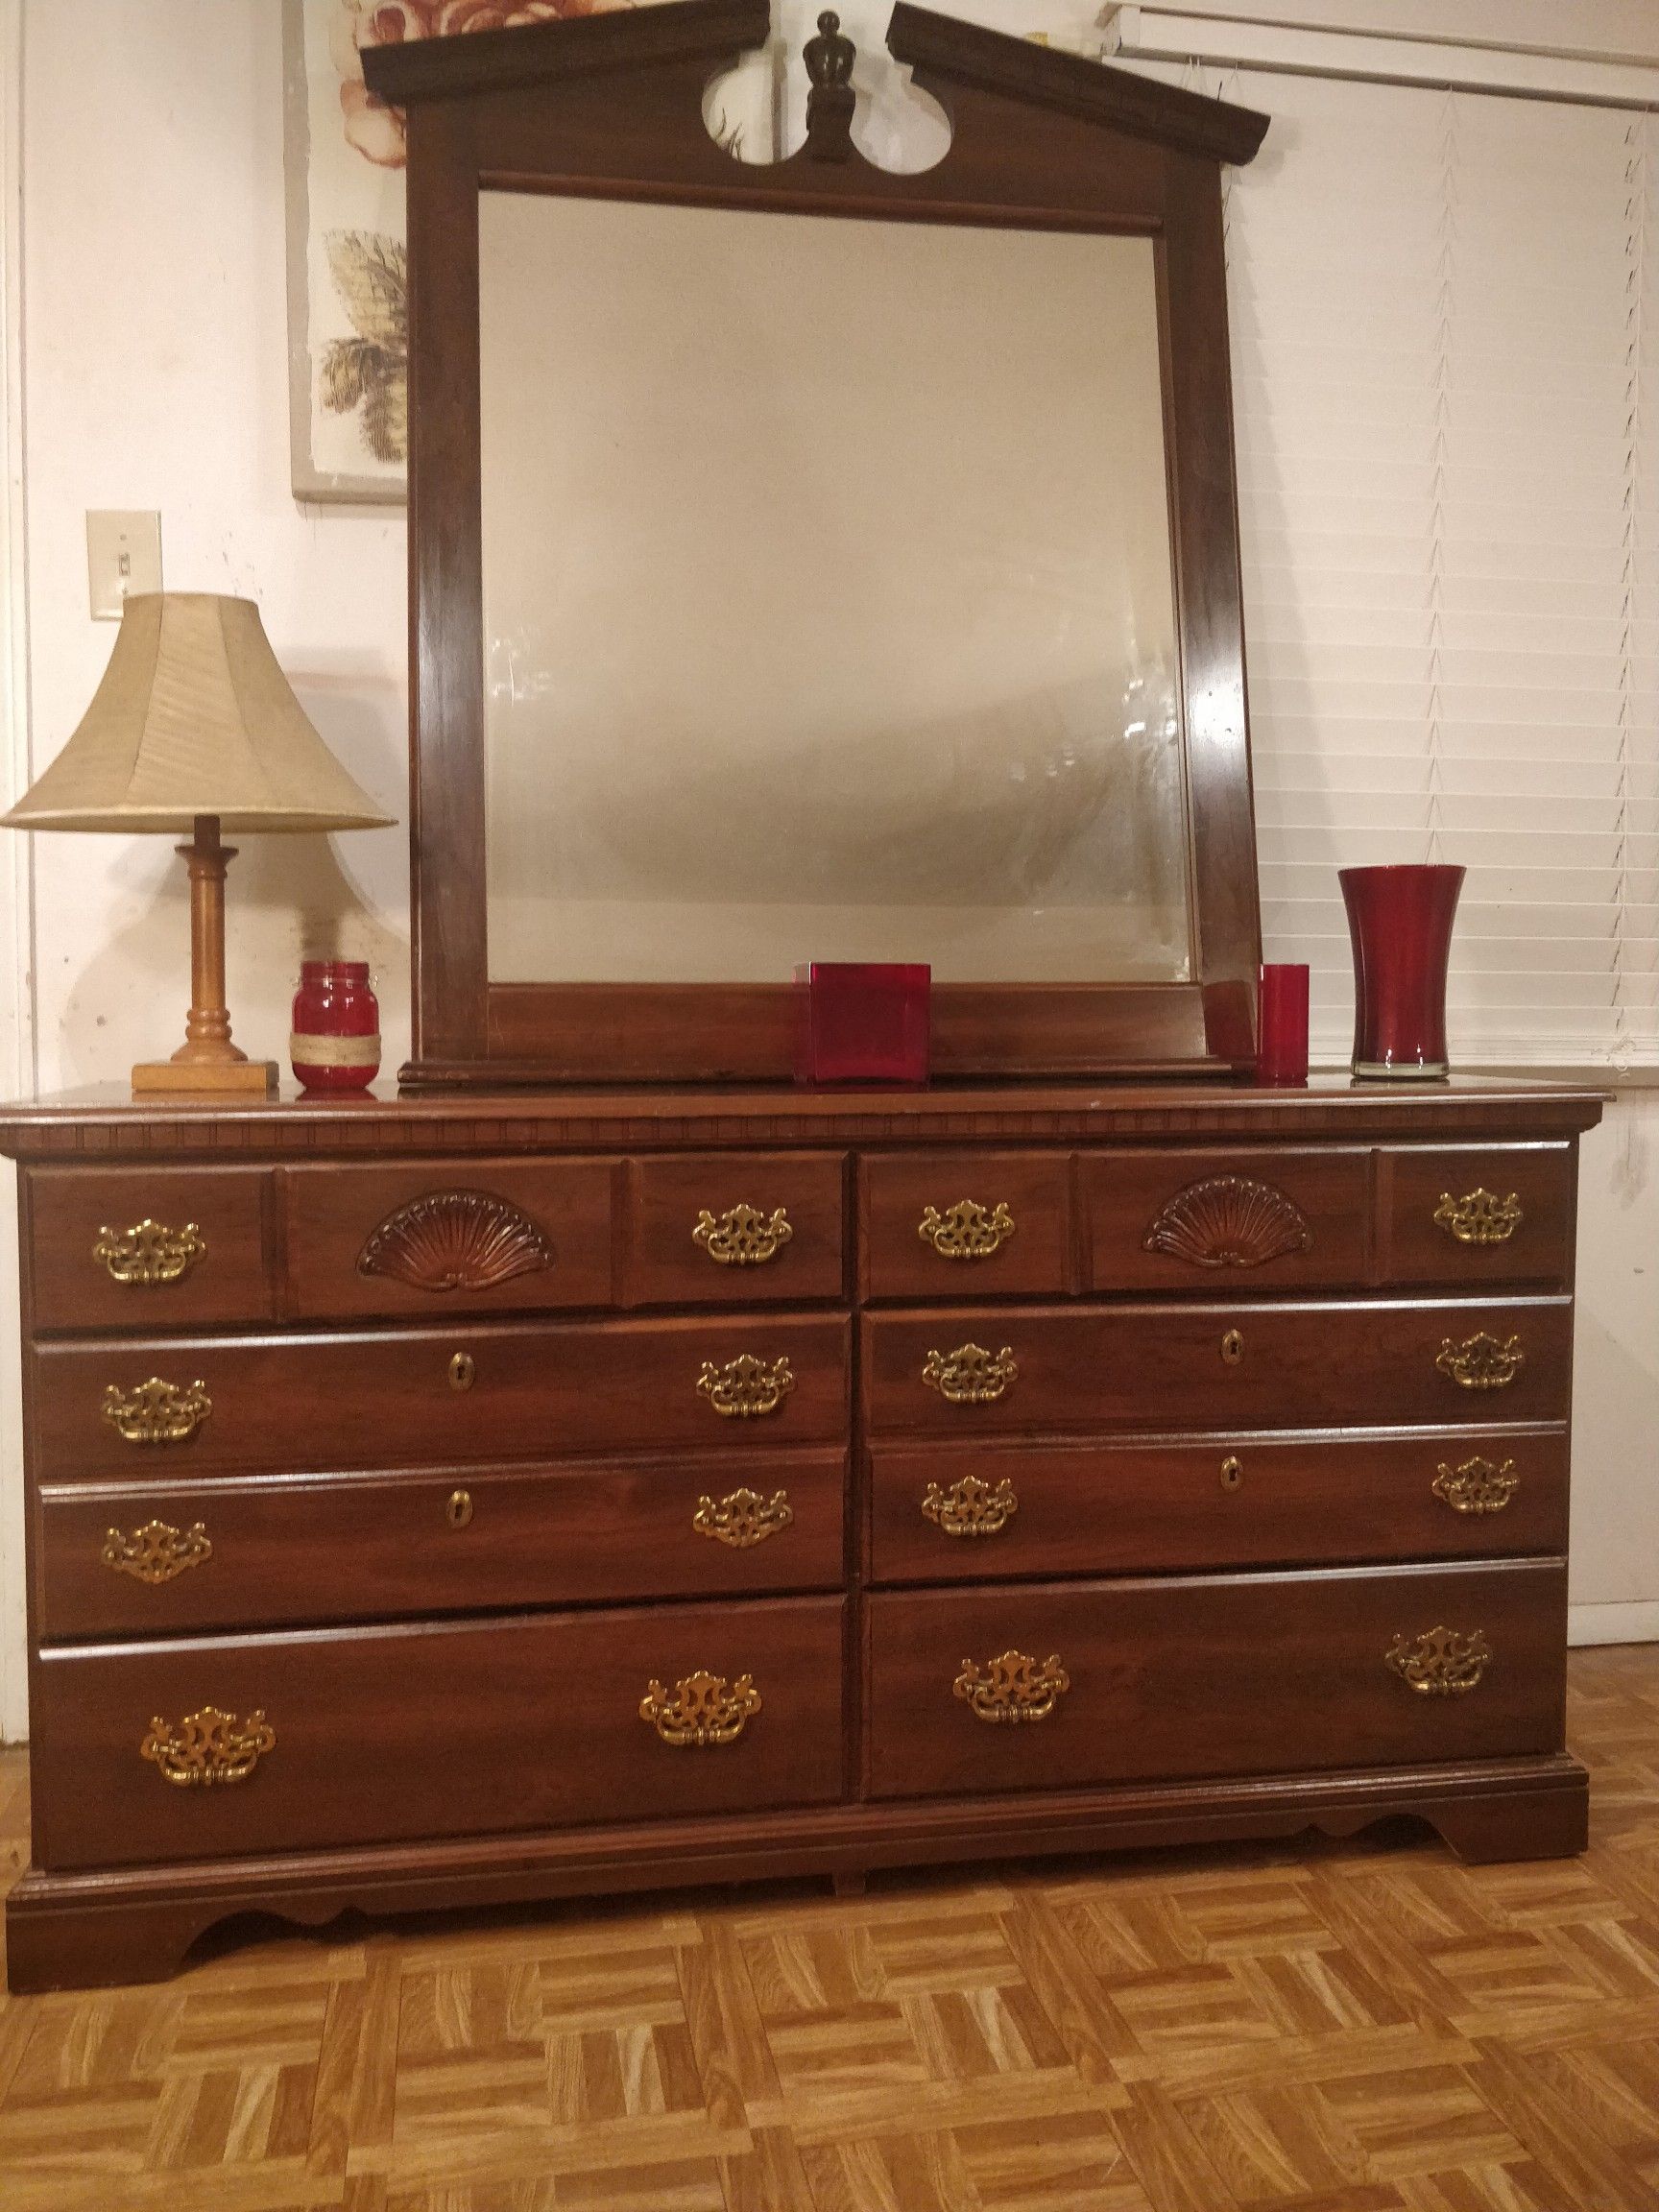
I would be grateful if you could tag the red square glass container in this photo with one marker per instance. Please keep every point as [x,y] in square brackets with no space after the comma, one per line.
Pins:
[863,1021]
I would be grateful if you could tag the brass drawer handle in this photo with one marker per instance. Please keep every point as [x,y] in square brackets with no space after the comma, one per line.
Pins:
[148,1252]
[1477,1486]
[743,1236]
[208,1748]
[745,1388]
[1479,1216]
[1014,1687]
[458,1510]
[463,1371]
[703,1709]
[742,1518]
[1232,1472]
[1481,1362]
[971,1376]
[1232,1348]
[1440,1663]
[158,1552]
[965,1231]
[971,1507]
[157,1412]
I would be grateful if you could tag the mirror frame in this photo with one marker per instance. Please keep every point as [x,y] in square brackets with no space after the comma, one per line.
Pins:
[611,106]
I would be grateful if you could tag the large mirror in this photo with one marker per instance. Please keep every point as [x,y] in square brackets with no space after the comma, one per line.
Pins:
[829,608]
[819,562]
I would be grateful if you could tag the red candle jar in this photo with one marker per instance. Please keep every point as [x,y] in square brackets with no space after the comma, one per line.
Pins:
[1282,1049]
[1400,920]
[336,1040]
[862,1021]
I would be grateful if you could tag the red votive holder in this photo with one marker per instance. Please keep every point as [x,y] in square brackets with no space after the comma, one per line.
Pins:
[1400,920]
[1282,1053]
[336,1040]
[863,1021]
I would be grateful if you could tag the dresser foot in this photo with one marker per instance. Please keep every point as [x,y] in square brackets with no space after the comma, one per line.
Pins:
[49,1946]
[850,1885]
[1546,1823]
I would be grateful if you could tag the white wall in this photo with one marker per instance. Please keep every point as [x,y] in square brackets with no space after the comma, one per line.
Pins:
[155,359]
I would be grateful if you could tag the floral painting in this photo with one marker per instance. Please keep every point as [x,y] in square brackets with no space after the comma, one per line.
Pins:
[348,293]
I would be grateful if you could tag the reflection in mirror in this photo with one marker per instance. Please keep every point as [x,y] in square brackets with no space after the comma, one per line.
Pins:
[828,599]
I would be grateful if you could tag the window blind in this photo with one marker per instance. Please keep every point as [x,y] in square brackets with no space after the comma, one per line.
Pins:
[1446,373]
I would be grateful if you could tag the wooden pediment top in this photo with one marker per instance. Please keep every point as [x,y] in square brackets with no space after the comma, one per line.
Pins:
[942,51]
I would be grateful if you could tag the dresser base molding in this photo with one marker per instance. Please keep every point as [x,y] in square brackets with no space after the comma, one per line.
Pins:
[102,1929]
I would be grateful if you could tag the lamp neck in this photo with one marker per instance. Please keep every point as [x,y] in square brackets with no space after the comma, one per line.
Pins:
[208,1025]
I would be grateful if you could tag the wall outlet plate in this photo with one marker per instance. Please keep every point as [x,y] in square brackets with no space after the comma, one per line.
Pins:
[122,556]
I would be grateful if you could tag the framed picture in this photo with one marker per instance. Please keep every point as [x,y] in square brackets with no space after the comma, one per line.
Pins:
[348,301]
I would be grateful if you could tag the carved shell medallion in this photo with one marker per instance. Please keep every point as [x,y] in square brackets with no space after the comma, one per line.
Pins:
[1228,1221]
[456,1241]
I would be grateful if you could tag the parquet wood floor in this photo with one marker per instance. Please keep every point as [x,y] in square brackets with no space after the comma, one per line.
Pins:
[1364,2027]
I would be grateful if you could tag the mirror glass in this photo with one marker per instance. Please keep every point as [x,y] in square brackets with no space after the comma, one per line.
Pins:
[828,599]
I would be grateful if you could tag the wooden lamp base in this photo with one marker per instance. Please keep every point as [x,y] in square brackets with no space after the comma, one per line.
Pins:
[206,1065]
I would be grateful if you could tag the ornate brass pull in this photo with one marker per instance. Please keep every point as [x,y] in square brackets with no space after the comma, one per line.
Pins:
[208,1748]
[971,1507]
[1477,1486]
[1231,1347]
[1481,1362]
[156,1551]
[742,1518]
[971,1376]
[1232,1472]
[150,1253]
[458,1510]
[1228,1221]
[965,1231]
[463,1371]
[745,1388]
[157,1412]
[1479,1216]
[743,1236]
[703,1709]
[1440,1663]
[1014,1687]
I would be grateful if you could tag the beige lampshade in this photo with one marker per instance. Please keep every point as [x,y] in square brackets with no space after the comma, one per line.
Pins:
[194,716]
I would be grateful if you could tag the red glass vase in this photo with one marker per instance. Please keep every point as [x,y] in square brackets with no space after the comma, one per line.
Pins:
[336,1040]
[863,1021]
[1282,1052]
[1400,920]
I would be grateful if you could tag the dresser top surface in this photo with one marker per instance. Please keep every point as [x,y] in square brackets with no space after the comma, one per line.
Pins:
[106,1120]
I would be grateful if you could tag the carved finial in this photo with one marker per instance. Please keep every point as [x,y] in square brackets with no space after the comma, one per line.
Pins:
[831,103]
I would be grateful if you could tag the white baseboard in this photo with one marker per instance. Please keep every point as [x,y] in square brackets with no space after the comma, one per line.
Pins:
[1633,1623]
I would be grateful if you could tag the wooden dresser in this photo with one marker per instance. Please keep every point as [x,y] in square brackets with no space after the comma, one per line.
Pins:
[443,1501]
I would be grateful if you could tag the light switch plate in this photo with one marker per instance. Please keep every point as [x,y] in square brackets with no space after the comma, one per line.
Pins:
[122,556]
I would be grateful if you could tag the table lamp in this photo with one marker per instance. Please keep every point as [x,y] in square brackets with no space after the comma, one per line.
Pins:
[194,729]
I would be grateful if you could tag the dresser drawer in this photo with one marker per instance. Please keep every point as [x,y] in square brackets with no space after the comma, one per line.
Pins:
[1375,1362]
[1248,1674]
[964,1512]
[965,1224]
[369,1735]
[461,1396]
[735,1228]
[157,1560]
[1470,1217]
[1222,1222]
[442,1238]
[176,1247]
